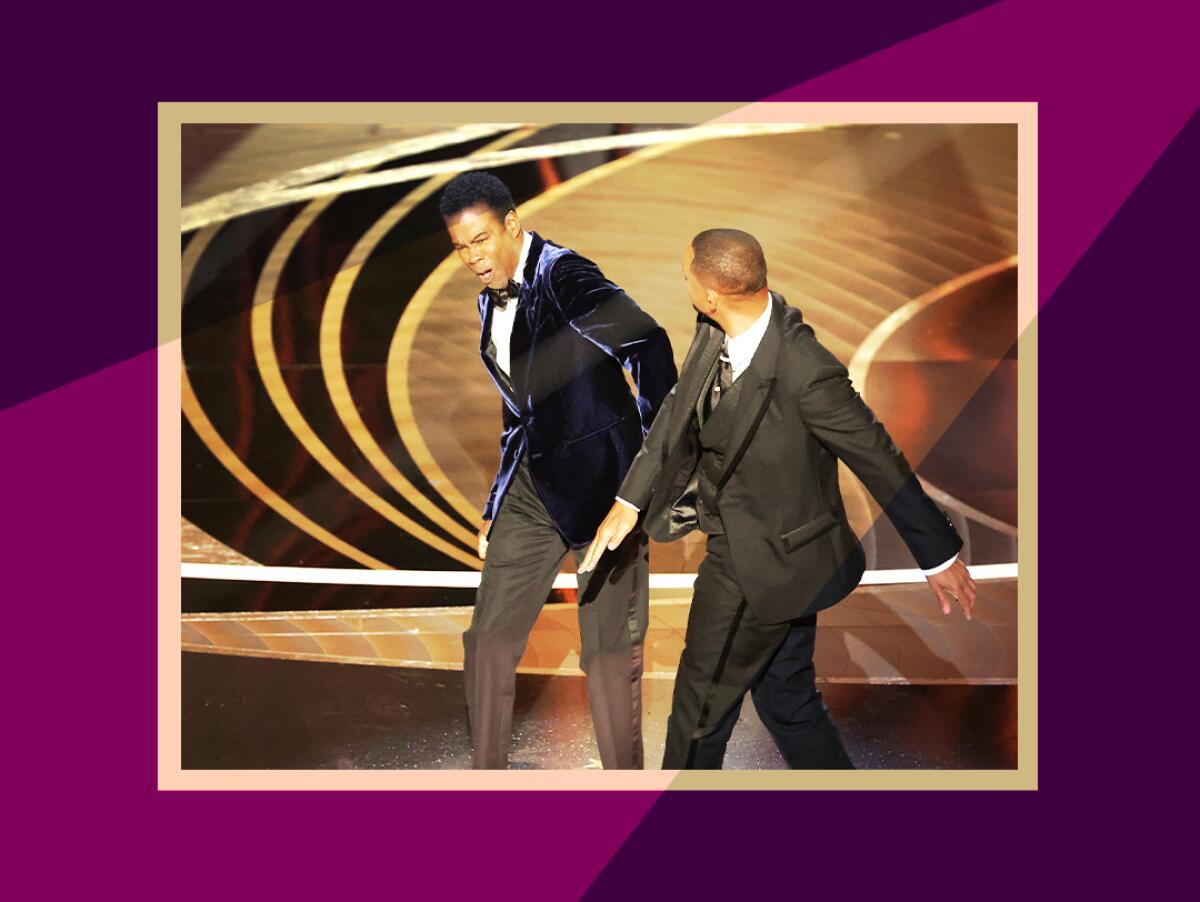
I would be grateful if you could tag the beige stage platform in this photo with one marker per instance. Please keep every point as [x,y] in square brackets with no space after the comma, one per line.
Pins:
[881,634]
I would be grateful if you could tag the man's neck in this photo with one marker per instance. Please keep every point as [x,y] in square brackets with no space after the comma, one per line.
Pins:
[737,319]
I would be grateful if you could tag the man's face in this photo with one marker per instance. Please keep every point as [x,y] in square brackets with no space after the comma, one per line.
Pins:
[696,291]
[489,246]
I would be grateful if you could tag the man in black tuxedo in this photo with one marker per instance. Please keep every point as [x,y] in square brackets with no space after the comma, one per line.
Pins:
[745,448]
[556,338]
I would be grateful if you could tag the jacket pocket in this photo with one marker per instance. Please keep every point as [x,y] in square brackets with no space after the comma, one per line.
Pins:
[809,531]
[593,433]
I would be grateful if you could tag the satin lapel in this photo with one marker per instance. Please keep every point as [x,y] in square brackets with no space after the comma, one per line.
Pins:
[536,243]
[756,394]
[488,352]
[520,354]
[524,335]
[697,373]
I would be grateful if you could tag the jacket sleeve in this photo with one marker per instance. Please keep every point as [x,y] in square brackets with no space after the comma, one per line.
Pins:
[841,421]
[638,486]
[610,319]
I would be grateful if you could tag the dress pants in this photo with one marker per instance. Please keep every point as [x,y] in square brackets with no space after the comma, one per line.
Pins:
[525,551]
[728,651]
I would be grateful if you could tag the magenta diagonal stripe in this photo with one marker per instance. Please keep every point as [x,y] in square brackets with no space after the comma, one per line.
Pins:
[1113,85]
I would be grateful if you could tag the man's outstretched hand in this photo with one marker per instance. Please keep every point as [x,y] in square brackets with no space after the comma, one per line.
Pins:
[954,583]
[616,526]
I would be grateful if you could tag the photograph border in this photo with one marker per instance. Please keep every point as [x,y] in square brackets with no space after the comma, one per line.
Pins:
[171,117]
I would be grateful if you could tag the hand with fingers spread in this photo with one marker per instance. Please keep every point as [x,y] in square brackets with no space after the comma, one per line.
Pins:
[619,522]
[955,583]
[483,539]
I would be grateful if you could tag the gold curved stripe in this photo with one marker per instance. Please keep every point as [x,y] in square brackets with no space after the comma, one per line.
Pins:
[495,160]
[262,340]
[209,435]
[406,329]
[226,455]
[860,363]
[864,356]
[278,391]
[191,256]
[249,198]
[332,364]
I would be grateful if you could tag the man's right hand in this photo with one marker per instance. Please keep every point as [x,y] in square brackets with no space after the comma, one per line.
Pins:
[617,525]
[483,532]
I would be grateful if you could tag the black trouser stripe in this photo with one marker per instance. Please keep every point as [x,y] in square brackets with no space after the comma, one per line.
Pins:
[694,746]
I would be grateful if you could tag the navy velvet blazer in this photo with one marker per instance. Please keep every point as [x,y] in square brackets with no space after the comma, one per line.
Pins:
[567,406]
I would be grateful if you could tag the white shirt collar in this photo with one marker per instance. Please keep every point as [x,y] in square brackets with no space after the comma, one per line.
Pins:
[740,348]
[502,319]
[519,275]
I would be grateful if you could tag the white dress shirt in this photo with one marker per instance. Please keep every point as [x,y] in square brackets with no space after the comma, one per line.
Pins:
[739,351]
[502,320]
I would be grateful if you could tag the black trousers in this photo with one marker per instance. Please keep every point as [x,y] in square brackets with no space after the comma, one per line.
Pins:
[729,651]
[525,551]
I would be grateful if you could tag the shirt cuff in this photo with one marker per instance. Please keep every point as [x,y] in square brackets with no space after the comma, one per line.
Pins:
[940,567]
[632,507]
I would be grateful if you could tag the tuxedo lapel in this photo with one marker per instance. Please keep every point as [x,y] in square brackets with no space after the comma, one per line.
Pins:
[536,243]
[756,393]
[520,343]
[524,331]
[697,374]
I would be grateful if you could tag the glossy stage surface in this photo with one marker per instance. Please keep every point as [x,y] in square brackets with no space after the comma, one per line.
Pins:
[251,713]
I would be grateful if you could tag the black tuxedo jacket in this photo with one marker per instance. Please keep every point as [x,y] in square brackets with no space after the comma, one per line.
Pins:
[792,548]
[567,407]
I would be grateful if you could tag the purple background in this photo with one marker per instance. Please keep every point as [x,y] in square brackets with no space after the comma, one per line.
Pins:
[1119,200]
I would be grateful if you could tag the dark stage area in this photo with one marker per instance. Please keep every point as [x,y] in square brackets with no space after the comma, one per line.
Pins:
[263,713]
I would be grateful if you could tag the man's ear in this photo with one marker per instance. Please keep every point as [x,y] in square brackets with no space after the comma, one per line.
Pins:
[512,223]
[710,299]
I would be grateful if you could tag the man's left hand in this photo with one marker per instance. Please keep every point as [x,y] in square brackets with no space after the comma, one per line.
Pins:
[955,583]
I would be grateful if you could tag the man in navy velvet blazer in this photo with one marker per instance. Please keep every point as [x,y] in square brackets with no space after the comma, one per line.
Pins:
[556,338]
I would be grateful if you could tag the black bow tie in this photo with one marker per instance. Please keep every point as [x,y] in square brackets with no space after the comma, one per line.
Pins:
[501,296]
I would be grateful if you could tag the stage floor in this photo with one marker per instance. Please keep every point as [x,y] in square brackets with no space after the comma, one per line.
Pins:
[262,713]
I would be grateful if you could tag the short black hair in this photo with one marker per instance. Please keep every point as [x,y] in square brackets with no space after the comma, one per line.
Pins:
[476,189]
[729,261]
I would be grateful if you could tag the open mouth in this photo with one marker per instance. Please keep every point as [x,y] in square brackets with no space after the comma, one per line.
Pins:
[485,276]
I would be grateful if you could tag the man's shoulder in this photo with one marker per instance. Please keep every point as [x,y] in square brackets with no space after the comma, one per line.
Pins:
[567,270]
[795,334]
[558,261]
[799,345]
